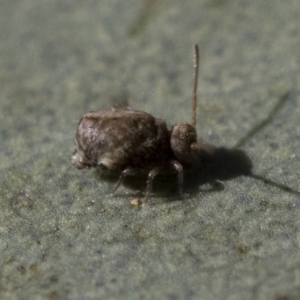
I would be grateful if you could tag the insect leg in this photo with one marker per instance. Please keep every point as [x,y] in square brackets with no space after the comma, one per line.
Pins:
[124,173]
[151,176]
[178,167]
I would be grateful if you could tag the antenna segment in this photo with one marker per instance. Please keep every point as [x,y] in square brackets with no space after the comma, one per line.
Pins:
[196,70]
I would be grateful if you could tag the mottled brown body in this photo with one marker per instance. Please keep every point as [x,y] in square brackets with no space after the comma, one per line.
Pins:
[131,142]
[117,139]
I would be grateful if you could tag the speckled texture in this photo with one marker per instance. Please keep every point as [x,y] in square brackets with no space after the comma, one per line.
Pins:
[62,236]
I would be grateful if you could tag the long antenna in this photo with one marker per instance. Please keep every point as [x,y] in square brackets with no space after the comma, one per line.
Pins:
[196,68]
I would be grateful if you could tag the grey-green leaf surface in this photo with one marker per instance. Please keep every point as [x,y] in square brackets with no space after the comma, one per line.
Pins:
[63,236]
